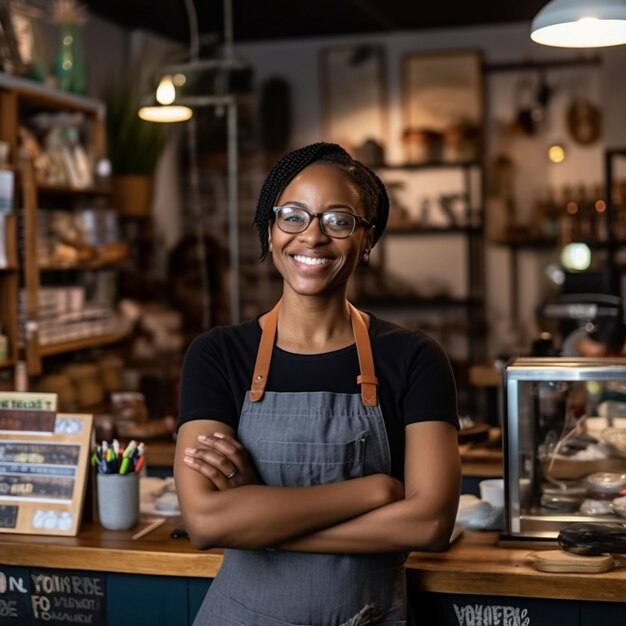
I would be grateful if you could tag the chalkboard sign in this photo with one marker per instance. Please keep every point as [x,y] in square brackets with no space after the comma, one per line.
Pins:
[52,597]
[43,477]
[27,412]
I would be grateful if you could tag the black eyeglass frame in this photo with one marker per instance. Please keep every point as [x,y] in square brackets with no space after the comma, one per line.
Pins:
[358,220]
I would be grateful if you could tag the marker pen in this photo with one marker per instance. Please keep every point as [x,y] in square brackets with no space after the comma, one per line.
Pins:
[130,448]
[125,465]
[139,464]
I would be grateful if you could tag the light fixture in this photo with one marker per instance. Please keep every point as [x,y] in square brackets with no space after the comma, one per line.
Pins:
[161,108]
[174,100]
[576,256]
[580,23]
[165,113]
[169,103]
[556,153]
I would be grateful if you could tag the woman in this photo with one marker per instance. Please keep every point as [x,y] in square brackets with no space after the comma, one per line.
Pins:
[319,473]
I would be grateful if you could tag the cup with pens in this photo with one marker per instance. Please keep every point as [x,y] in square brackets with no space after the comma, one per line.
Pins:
[117,482]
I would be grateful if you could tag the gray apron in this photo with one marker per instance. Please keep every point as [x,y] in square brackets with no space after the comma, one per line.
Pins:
[304,439]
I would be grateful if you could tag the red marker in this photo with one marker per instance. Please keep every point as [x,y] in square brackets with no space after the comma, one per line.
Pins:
[139,464]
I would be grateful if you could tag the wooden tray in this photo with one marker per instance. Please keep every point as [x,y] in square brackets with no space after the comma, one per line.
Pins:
[559,561]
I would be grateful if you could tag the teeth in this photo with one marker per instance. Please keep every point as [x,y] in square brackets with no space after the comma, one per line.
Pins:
[307,260]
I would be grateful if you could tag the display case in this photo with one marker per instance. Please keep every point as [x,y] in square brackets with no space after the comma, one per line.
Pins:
[564,424]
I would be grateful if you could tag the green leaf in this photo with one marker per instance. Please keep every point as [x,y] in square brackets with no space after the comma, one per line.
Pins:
[134,145]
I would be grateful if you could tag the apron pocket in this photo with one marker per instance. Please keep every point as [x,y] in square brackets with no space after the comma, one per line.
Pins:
[290,463]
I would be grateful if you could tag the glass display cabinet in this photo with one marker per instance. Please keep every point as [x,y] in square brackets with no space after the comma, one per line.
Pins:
[564,425]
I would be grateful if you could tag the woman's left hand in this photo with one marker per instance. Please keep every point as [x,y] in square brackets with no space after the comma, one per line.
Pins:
[223,460]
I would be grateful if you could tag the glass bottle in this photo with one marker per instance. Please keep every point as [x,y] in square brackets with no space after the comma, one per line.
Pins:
[70,60]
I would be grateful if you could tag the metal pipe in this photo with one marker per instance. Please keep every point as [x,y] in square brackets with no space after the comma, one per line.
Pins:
[233,212]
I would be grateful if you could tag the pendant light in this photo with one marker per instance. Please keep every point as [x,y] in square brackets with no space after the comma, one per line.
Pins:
[580,23]
[169,102]
[161,107]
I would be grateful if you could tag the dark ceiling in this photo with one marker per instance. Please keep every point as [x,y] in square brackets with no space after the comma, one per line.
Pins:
[259,20]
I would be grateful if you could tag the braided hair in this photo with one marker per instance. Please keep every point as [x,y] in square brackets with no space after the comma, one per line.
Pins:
[371,189]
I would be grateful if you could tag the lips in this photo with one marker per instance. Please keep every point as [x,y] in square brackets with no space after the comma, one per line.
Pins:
[309,260]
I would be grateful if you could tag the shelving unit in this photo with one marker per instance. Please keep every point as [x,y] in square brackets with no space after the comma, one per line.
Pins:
[608,248]
[445,250]
[22,282]
[615,273]
[9,285]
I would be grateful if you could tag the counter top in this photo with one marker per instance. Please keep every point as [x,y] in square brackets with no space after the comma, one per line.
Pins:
[474,564]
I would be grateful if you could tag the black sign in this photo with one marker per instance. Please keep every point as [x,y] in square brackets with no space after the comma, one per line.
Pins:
[55,597]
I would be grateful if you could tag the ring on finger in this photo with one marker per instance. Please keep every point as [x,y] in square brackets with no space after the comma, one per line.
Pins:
[232,474]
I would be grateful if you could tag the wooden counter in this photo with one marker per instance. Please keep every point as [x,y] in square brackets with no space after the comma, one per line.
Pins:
[473,565]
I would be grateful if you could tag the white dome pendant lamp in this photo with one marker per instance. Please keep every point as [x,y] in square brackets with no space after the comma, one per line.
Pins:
[580,23]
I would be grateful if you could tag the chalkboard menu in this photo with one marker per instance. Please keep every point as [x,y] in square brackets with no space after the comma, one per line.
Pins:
[30,597]
[25,412]
[43,477]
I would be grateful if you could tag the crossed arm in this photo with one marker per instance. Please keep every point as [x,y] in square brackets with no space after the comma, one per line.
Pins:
[374,513]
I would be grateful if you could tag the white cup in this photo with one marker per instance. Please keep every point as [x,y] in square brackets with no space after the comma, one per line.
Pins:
[492,491]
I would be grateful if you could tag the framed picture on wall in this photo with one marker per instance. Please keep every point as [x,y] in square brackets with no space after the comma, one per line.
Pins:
[9,51]
[443,106]
[353,94]
[25,22]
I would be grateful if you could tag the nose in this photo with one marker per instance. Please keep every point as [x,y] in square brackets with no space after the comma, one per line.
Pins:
[314,230]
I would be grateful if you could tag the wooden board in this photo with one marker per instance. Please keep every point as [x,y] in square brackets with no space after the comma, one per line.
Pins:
[560,561]
[43,477]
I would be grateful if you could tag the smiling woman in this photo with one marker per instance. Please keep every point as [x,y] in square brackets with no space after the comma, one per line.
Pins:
[319,473]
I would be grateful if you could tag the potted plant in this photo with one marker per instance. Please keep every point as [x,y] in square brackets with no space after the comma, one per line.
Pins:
[134,148]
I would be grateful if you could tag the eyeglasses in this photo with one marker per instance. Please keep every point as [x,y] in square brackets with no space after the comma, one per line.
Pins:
[336,224]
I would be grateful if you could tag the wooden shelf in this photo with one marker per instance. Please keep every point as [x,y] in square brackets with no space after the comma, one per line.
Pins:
[68,189]
[417,230]
[20,99]
[82,267]
[6,363]
[417,302]
[81,344]
[533,243]
[429,166]
[36,95]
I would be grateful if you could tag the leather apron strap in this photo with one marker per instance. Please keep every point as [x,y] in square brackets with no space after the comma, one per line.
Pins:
[366,379]
[264,355]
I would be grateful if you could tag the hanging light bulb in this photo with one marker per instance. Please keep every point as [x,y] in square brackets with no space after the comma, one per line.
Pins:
[160,108]
[580,23]
[166,92]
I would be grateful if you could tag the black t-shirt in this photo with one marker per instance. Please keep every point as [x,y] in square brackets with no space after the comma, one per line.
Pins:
[416,383]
